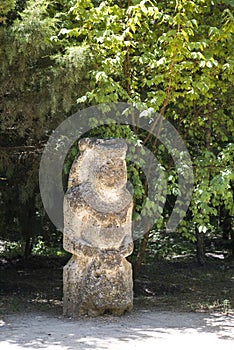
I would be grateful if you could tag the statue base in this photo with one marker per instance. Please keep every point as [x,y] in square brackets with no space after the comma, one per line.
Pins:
[97,285]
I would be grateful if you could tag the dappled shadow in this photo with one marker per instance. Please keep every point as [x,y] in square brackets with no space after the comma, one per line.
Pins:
[132,331]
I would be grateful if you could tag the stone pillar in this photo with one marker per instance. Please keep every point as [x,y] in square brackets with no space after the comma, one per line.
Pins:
[97,231]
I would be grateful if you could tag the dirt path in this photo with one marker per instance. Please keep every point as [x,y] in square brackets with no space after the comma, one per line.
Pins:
[141,329]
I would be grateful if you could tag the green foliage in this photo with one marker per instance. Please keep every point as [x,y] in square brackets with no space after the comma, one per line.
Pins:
[162,246]
[226,306]
[176,59]
[11,249]
[5,7]
[52,248]
[41,247]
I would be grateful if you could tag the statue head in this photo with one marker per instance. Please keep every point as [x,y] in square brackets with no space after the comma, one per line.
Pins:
[101,162]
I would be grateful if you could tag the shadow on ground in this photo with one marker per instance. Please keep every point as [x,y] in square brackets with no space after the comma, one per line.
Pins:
[36,285]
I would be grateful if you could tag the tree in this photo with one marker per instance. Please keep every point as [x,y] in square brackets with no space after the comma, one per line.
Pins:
[176,59]
[41,78]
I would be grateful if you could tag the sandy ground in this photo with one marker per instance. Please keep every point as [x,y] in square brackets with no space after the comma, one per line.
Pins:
[142,329]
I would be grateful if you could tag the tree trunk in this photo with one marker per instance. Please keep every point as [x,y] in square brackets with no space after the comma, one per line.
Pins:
[28,248]
[228,232]
[141,253]
[226,224]
[28,226]
[200,245]
[232,238]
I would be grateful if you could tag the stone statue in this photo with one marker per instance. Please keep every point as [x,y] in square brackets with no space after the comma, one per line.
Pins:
[97,231]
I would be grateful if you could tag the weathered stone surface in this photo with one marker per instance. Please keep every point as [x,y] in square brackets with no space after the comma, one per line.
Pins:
[97,231]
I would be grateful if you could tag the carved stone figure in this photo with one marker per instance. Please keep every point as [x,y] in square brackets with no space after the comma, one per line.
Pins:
[97,231]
